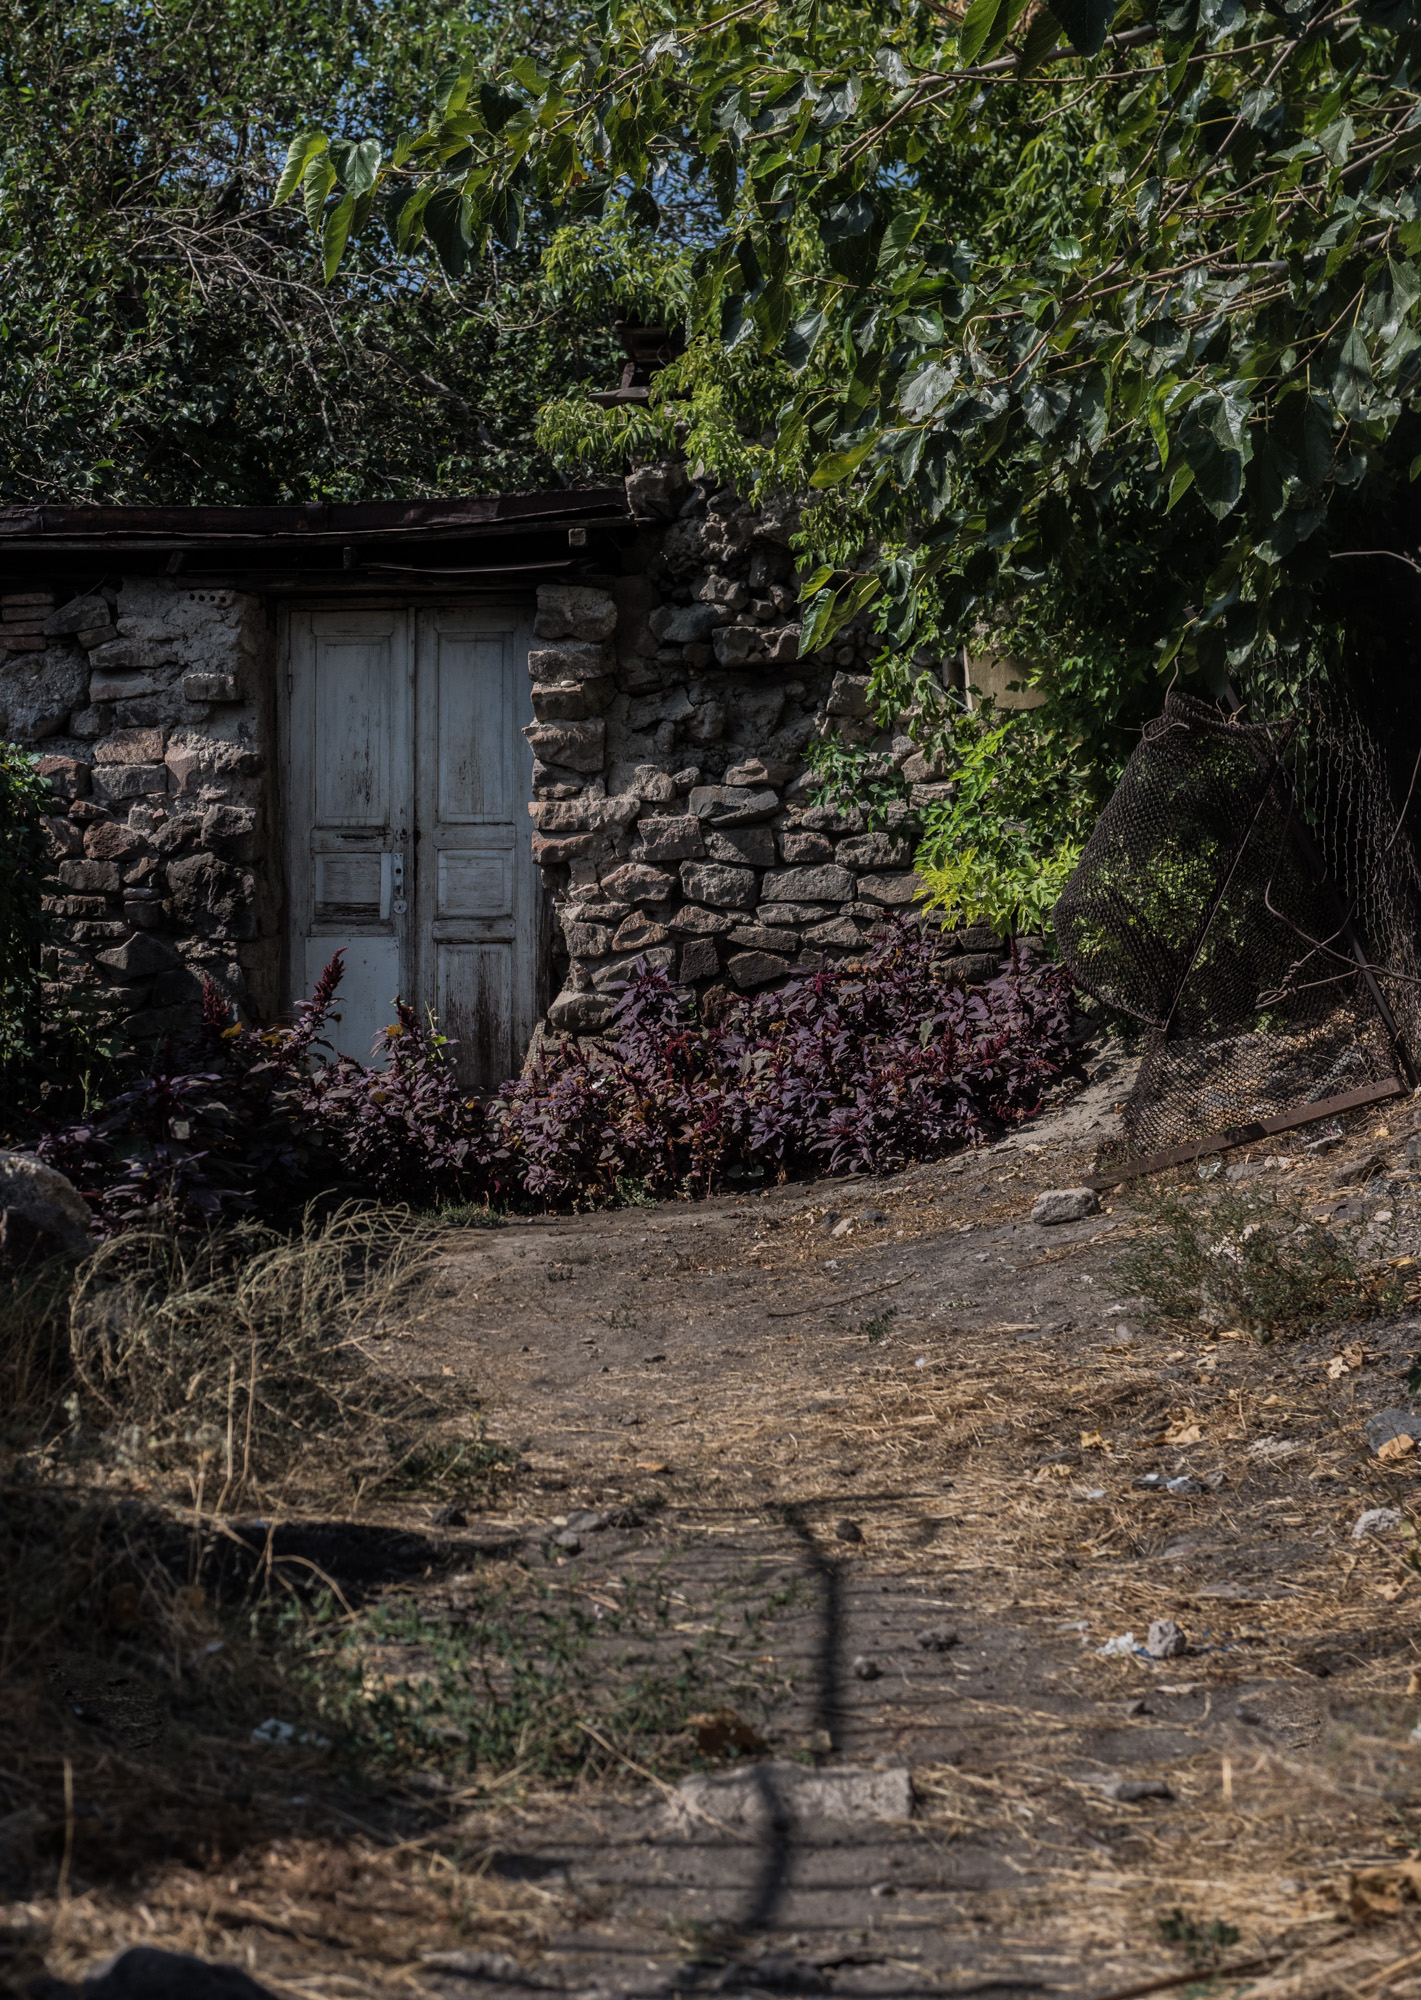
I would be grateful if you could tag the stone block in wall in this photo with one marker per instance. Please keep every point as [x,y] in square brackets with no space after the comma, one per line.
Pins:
[89,878]
[636,597]
[896,892]
[675,705]
[87,723]
[799,847]
[655,492]
[875,850]
[699,922]
[38,690]
[616,971]
[64,837]
[229,831]
[830,819]
[668,838]
[824,884]
[212,898]
[639,933]
[707,725]
[838,932]
[699,960]
[574,1013]
[633,882]
[755,968]
[571,701]
[981,937]
[848,695]
[573,660]
[95,636]
[68,777]
[725,887]
[790,913]
[78,615]
[109,840]
[734,644]
[211,687]
[756,772]
[574,611]
[743,846]
[780,645]
[195,760]
[976,968]
[124,686]
[139,957]
[763,937]
[727,592]
[555,850]
[576,746]
[131,746]
[586,940]
[732,805]
[685,624]
[129,781]
[560,815]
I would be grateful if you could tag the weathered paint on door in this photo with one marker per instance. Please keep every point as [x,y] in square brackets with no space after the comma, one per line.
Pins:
[408,833]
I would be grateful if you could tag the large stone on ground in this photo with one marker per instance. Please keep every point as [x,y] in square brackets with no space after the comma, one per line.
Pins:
[1065,1205]
[41,1212]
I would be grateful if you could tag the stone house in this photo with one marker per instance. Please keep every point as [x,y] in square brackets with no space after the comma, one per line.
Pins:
[495,750]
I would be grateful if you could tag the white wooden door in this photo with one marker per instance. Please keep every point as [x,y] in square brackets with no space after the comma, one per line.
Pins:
[409,843]
[477,895]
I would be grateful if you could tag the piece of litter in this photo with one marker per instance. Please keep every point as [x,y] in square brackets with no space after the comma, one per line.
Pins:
[1087,1492]
[275,1732]
[1376,1521]
[1150,1482]
[921,1362]
[1119,1648]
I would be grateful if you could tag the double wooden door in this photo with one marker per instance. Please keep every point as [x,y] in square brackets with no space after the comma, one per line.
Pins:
[408,838]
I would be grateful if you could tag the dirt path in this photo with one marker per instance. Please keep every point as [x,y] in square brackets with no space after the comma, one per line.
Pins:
[866,1500]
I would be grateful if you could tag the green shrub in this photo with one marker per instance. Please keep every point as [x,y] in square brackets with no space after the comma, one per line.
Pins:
[24,871]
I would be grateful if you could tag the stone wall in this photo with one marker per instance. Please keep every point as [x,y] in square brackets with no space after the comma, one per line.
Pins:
[671,808]
[152,709]
[671,797]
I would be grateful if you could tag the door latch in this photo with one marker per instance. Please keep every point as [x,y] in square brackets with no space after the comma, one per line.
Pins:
[397,885]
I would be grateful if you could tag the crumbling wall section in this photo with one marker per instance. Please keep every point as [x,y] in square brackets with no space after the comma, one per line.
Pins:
[672,803]
[151,709]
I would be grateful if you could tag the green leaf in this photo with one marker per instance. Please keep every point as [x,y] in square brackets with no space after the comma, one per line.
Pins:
[309,141]
[362,167]
[802,339]
[316,183]
[1086,23]
[334,234]
[1042,34]
[977,25]
[837,466]
[1353,377]
[498,106]
[643,209]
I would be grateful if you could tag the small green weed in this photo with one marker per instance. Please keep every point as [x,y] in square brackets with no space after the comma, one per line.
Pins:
[633,1193]
[1249,1260]
[1202,1941]
[874,1329]
[498,1679]
[466,1215]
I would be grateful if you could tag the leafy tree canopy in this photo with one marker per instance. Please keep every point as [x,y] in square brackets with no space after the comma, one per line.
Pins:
[1046,300]
[164,336]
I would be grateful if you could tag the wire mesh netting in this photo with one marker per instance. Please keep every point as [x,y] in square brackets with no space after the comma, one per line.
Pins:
[1249,898]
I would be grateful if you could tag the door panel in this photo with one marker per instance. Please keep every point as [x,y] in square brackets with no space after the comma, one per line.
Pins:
[477,914]
[409,843]
[350,779]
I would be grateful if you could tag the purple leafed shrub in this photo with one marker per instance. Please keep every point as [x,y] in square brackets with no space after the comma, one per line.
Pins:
[856,1069]
[852,1070]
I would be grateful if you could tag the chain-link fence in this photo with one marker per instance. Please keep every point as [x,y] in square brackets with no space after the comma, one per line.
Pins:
[1250,897]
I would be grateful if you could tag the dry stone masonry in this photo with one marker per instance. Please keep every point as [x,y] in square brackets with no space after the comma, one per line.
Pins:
[152,710]
[671,805]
